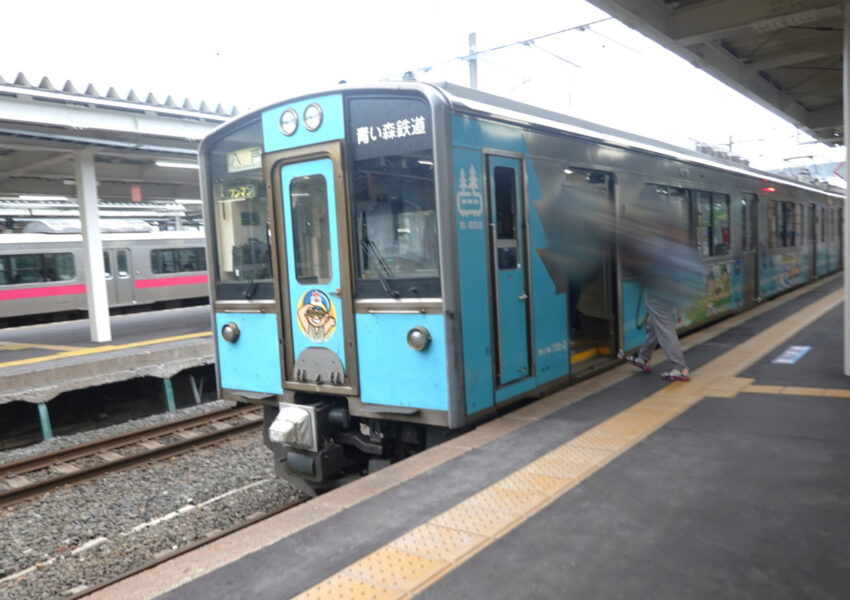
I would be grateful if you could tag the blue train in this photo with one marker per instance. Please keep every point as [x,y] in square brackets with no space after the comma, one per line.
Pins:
[394,263]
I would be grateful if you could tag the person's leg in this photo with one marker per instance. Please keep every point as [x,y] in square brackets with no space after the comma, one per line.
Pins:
[664,330]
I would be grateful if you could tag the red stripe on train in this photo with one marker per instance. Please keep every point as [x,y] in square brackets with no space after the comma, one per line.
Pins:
[42,292]
[168,281]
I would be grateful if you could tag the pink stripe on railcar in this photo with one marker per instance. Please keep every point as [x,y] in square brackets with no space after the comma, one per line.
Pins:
[169,281]
[42,292]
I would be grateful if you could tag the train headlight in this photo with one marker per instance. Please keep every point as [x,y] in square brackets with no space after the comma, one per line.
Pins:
[313,117]
[230,332]
[418,338]
[288,121]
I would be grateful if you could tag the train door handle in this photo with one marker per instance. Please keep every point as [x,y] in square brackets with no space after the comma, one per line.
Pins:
[522,297]
[337,292]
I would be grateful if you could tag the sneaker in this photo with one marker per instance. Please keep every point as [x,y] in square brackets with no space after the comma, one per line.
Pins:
[675,374]
[638,362]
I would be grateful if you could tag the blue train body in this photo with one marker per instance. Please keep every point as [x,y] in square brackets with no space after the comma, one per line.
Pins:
[395,263]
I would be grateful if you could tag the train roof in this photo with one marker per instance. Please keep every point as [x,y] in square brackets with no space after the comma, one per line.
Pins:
[480,102]
[71,225]
[462,99]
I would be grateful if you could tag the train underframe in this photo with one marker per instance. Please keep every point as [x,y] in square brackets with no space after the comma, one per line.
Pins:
[318,445]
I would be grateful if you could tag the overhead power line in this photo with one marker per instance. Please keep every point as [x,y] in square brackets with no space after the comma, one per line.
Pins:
[527,42]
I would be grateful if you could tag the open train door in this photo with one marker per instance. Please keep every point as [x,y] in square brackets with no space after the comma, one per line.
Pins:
[592,301]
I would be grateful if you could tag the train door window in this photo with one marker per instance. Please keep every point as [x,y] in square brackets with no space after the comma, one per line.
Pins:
[720,224]
[506,217]
[310,229]
[702,207]
[123,267]
[4,270]
[748,230]
[107,266]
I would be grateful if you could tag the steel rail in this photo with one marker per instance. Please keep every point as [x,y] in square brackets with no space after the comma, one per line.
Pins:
[198,440]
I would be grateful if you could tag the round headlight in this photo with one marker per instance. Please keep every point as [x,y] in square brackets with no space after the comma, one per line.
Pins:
[313,117]
[230,332]
[418,338]
[288,121]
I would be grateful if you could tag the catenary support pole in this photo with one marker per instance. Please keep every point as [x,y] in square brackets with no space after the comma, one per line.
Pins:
[473,61]
[96,295]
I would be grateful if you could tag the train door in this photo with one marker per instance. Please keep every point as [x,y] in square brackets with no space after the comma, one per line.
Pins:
[507,225]
[119,281]
[749,248]
[592,301]
[812,234]
[315,285]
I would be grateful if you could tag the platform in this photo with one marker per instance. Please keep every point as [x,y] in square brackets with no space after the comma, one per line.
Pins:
[39,362]
[733,485]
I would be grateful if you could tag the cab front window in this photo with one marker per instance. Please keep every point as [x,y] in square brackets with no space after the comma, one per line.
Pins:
[240,217]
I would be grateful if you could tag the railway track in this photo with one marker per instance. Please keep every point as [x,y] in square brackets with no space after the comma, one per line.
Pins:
[33,476]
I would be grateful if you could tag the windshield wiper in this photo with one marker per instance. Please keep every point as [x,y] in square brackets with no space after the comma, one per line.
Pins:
[384,277]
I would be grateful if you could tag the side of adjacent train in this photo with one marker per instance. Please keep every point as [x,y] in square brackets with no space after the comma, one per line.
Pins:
[390,262]
[44,273]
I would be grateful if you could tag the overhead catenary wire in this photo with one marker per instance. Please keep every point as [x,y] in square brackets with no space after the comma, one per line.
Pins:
[526,42]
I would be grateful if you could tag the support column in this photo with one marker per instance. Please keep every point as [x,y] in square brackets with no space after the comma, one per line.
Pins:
[846,233]
[44,419]
[169,395]
[96,295]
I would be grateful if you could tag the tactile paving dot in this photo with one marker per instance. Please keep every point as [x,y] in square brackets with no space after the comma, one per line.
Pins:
[507,500]
[468,517]
[343,587]
[533,483]
[394,568]
[438,542]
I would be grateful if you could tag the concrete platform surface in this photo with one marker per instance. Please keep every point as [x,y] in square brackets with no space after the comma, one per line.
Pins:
[733,485]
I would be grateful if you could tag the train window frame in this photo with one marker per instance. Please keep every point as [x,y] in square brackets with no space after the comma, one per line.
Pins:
[47,267]
[720,203]
[311,234]
[176,255]
[505,195]
[241,261]
[393,200]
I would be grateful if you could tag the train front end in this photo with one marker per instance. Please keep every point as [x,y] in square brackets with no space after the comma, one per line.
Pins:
[323,221]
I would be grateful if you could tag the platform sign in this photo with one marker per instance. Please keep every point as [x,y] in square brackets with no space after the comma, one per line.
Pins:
[791,355]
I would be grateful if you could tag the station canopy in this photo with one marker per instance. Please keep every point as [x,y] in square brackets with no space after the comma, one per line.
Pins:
[145,150]
[786,55]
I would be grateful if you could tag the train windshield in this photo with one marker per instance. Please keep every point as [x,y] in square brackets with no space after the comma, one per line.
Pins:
[241,223]
[395,221]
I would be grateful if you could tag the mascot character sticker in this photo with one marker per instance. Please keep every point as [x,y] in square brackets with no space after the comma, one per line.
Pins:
[316,316]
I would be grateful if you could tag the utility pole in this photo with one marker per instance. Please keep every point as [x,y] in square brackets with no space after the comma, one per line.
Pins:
[473,62]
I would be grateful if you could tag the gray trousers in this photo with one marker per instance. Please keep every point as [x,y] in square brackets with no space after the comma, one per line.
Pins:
[661,330]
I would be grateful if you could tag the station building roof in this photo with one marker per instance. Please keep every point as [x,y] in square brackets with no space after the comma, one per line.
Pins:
[42,126]
[786,55]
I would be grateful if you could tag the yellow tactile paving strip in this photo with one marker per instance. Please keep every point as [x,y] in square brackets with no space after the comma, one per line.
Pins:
[796,391]
[71,351]
[414,561]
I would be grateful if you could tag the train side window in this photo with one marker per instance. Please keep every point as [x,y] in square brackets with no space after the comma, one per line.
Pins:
[798,225]
[4,270]
[771,224]
[506,217]
[719,224]
[65,266]
[27,268]
[311,243]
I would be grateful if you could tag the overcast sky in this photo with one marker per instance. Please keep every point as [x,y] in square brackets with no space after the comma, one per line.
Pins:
[249,53]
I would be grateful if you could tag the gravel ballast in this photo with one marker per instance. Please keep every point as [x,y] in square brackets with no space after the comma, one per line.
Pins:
[58,545]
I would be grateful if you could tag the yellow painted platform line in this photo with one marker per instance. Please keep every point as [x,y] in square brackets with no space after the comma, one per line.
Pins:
[796,391]
[101,349]
[412,562]
[24,346]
